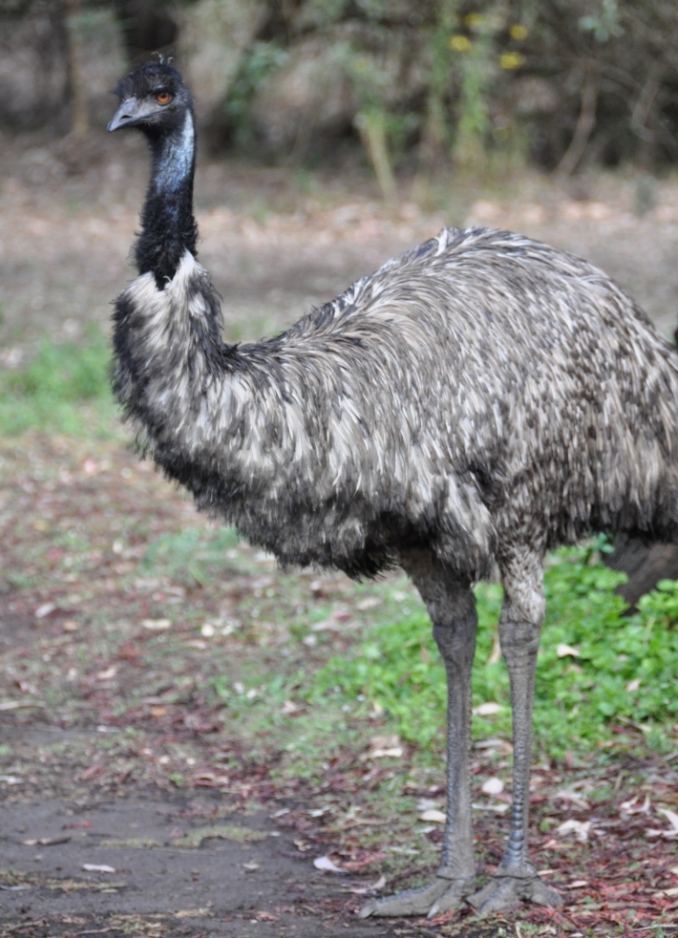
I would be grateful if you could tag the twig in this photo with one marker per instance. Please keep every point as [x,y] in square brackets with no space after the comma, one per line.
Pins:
[585,124]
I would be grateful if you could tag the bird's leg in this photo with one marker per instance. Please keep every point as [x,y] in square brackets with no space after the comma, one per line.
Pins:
[519,627]
[451,605]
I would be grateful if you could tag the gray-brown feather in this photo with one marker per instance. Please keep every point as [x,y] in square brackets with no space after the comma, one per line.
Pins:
[479,394]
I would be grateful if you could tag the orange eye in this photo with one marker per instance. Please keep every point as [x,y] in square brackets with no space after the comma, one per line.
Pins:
[163,97]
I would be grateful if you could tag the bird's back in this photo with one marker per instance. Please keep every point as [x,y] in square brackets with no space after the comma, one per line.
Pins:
[520,369]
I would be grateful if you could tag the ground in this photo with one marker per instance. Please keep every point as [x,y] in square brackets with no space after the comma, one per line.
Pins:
[143,791]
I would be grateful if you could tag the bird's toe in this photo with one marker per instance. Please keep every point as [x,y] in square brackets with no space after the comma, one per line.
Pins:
[439,896]
[504,892]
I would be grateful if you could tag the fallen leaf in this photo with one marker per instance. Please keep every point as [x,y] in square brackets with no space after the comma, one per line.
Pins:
[671,816]
[633,685]
[46,841]
[572,796]
[578,884]
[580,829]
[500,808]
[493,786]
[326,865]
[108,673]
[371,602]
[20,705]
[565,651]
[384,747]
[251,866]
[437,817]
[156,625]
[98,868]
[503,744]
[385,742]
[44,610]
[364,890]
[629,807]
[488,709]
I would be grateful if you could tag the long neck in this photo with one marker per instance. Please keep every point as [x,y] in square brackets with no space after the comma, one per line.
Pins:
[168,225]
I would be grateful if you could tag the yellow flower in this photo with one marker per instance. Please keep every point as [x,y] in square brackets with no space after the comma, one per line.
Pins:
[509,60]
[518,31]
[460,43]
[474,20]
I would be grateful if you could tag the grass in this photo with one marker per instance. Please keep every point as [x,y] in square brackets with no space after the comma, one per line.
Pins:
[192,558]
[64,389]
[604,680]
[598,670]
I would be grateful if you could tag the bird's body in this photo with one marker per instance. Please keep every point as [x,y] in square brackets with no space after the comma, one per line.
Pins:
[477,400]
[426,406]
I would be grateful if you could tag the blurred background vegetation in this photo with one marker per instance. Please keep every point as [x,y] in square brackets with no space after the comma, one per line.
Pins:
[421,86]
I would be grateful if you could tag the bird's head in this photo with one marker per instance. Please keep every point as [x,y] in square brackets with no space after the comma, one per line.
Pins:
[153,98]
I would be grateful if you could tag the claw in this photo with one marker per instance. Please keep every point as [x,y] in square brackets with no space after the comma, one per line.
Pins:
[439,896]
[504,892]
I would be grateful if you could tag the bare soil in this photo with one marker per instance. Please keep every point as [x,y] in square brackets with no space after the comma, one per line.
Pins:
[114,755]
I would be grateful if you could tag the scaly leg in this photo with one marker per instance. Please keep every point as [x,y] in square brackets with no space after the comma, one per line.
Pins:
[519,628]
[451,605]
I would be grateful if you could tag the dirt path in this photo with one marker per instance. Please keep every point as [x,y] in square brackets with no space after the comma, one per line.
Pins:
[161,866]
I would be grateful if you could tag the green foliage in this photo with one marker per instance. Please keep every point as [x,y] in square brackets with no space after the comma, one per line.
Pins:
[596,667]
[191,557]
[261,59]
[604,24]
[64,388]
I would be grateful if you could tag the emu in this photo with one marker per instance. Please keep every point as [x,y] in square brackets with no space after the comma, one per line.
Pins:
[475,402]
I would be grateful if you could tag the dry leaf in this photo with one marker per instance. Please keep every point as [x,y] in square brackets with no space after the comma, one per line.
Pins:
[156,625]
[493,786]
[629,807]
[671,816]
[565,651]
[108,674]
[572,796]
[364,890]
[580,829]
[433,815]
[326,865]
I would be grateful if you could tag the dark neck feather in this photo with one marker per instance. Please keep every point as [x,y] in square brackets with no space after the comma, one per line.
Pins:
[168,225]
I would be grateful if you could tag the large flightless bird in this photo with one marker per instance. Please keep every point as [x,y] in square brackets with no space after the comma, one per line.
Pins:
[475,402]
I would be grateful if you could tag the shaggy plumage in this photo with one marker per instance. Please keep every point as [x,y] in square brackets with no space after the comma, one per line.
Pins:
[477,400]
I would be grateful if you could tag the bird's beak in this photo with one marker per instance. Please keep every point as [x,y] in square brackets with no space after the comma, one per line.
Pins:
[127,114]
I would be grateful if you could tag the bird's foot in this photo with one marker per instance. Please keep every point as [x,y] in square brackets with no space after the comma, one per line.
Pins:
[440,896]
[507,889]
